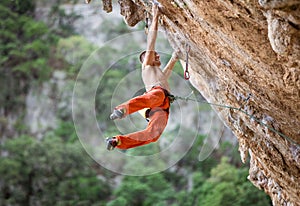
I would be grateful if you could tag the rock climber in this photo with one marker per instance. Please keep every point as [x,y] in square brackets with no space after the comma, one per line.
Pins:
[156,98]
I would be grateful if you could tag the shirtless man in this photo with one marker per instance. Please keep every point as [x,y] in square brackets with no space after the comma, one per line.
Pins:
[155,98]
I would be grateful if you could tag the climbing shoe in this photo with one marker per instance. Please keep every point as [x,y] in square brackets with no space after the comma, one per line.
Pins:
[117,114]
[111,143]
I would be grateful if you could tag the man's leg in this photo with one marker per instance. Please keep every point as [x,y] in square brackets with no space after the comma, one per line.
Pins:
[153,98]
[158,122]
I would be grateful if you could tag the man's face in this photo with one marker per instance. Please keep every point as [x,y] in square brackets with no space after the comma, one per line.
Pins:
[157,59]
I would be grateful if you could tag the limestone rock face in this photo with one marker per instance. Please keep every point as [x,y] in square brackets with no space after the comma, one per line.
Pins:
[241,48]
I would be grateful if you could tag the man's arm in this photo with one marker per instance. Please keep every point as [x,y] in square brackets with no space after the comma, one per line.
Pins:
[152,34]
[170,66]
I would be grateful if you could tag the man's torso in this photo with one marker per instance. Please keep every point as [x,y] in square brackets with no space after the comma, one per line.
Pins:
[153,76]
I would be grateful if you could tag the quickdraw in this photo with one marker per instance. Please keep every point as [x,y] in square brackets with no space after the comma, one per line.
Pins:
[186,72]
[146,23]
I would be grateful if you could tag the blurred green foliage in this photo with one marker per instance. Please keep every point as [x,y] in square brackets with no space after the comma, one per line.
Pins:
[147,190]
[60,21]
[25,46]
[75,50]
[113,29]
[48,172]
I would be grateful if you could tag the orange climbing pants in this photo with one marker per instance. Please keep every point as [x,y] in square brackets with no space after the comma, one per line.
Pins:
[156,100]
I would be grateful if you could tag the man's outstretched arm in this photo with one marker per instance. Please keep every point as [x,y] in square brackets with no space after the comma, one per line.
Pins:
[170,66]
[152,35]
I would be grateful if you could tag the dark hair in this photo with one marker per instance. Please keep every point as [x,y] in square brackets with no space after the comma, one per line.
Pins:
[141,56]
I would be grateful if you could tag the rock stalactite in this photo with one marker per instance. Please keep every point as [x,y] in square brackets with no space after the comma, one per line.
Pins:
[241,47]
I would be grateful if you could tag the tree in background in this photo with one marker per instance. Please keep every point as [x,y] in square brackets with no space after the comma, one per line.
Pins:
[60,21]
[48,172]
[24,48]
[146,190]
[75,50]
[22,7]
[228,185]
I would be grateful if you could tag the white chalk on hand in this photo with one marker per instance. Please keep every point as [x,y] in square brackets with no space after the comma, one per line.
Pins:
[155,2]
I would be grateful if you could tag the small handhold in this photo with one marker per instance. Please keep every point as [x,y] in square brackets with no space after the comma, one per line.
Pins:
[107,5]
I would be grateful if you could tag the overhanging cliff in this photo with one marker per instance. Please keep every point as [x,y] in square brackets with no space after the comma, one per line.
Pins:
[242,47]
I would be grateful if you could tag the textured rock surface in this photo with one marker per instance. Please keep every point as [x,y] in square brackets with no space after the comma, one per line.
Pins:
[241,47]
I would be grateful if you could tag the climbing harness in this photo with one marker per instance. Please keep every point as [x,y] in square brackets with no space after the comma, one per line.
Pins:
[240,110]
[147,112]
[186,72]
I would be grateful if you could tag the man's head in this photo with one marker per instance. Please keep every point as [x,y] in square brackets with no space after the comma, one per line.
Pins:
[155,61]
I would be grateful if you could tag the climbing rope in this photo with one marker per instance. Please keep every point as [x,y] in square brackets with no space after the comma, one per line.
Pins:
[186,72]
[187,98]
